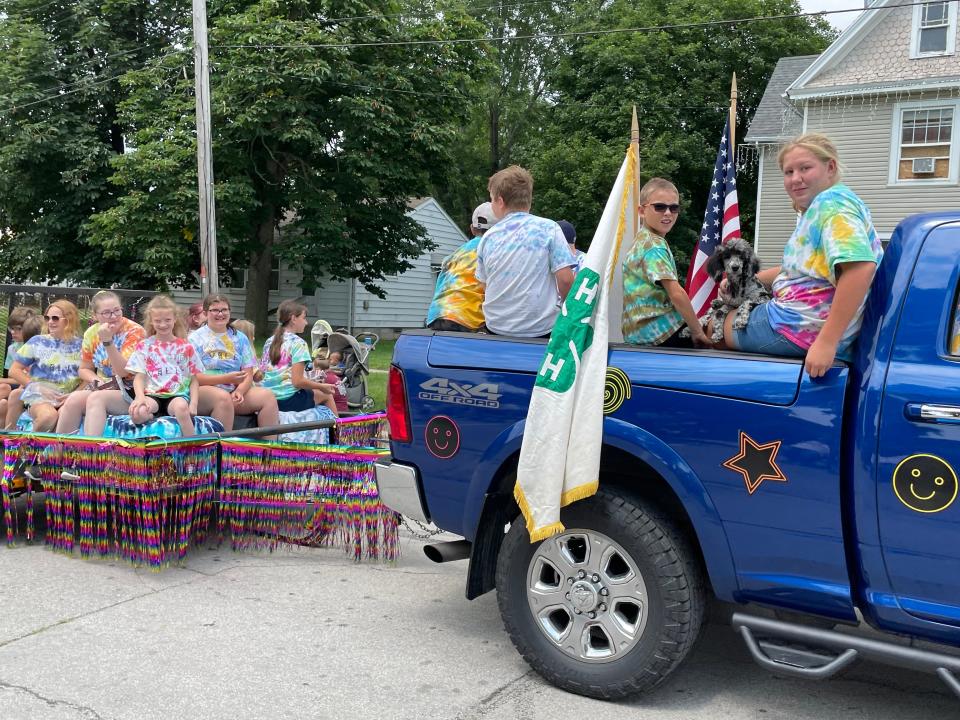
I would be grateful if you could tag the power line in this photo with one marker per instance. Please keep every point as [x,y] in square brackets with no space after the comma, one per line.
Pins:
[577,33]
[61,91]
[571,33]
[643,108]
[419,13]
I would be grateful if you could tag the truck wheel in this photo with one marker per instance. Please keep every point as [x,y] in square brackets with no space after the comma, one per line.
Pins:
[609,607]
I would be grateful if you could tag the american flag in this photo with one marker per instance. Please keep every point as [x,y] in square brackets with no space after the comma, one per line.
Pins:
[721,222]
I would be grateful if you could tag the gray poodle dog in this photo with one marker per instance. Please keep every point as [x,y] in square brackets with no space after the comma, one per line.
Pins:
[738,262]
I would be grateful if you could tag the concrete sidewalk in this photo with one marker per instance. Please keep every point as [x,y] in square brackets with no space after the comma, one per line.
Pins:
[311,634]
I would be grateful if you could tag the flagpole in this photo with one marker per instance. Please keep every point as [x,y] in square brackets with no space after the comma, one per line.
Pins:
[733,118]
[635,147]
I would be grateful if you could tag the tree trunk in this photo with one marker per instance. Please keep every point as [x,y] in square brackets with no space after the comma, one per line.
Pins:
[494,136]
[258,277]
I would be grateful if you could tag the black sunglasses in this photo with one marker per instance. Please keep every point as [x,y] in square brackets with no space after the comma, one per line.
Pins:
[53,318]
[663,207]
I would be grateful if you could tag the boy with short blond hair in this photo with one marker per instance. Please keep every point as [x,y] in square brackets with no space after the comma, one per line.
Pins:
[523,261]
[656,308]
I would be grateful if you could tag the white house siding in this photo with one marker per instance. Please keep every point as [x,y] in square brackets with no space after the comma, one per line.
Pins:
[776,217]
[289,290]
[884,56]
[331,303]
[862,135]
[409,294]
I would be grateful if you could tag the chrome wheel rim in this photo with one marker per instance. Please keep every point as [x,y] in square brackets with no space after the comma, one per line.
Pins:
[587,596]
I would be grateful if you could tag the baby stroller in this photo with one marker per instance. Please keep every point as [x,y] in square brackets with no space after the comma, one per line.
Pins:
[354,354]
[318,339]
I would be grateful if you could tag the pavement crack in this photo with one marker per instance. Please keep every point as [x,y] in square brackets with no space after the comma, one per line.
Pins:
[50,702]
[89,613]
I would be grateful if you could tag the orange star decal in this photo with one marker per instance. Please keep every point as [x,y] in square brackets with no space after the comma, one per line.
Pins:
[756,462]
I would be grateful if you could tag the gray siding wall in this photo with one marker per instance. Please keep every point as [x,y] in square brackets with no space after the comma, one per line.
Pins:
[775,217]
[332,302]
[409,294]
[289,290]
[862,133]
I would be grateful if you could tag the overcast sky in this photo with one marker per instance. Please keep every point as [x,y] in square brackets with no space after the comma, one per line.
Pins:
[838,20]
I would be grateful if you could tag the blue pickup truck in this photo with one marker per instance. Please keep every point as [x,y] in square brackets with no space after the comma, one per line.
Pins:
[832,501]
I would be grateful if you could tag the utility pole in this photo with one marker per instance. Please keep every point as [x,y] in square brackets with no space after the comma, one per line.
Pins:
[209,279]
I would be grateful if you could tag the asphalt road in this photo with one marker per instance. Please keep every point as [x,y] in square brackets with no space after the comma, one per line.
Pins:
[310,634]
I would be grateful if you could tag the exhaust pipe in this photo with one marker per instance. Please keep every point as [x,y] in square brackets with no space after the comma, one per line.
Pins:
[448,551]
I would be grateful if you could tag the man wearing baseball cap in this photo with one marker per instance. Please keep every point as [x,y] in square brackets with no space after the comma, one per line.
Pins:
[458,299]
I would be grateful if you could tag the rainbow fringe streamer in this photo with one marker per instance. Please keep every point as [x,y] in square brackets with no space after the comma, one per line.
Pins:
[359,430]
[141,502]
[273,493]
[146,502]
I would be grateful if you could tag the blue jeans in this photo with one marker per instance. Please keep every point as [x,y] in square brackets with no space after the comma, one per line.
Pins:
[760,337]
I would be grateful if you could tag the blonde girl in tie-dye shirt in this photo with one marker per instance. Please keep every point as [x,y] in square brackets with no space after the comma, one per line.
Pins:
[835,229]
[828,265]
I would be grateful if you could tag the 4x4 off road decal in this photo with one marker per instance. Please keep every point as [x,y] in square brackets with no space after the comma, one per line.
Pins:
[756,462]
[460,393]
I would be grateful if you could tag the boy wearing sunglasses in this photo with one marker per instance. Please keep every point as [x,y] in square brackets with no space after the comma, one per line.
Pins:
[656,308]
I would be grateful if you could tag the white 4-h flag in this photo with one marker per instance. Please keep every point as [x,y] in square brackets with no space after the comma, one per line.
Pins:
[560,455]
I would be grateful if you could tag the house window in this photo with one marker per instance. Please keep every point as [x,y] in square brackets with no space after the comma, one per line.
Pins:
[238,278]
[934,29]
[924,147]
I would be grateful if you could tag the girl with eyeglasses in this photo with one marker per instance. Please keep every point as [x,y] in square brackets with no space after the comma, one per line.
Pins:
[828,265]
[229,362]
[106,347]
[47,366]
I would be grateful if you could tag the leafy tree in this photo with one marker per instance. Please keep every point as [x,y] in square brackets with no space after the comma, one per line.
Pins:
[510,105]
[322,132]
[679,78]
[59,127]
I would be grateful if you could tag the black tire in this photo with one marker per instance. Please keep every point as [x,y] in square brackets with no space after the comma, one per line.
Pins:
[674,587]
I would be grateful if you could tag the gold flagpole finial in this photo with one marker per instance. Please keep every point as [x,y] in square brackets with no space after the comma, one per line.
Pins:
[634,128]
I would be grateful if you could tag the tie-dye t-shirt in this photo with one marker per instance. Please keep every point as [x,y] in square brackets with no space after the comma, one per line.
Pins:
[169,365]
[836,228]
[649,317]
[93,350]
[52,361]
[11,354]
[278,378]
[516,260]
[223,352]
[459,295]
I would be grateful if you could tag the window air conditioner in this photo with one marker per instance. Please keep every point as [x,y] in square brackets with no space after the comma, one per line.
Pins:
[923,165]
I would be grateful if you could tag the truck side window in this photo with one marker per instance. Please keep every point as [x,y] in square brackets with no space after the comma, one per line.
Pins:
[955,329]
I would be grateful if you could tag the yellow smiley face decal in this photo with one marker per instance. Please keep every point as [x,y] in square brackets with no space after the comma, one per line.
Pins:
[925,483]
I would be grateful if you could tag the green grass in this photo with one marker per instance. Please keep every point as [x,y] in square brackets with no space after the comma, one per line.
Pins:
[377,381]
[381,355]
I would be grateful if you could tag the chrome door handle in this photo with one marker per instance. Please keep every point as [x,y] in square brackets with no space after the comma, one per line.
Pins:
[933,413]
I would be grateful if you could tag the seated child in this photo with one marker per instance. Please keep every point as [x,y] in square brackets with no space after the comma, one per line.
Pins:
[11,408]
[166,368]
[15,325]
[656,308]
[324,372]
[250,330]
